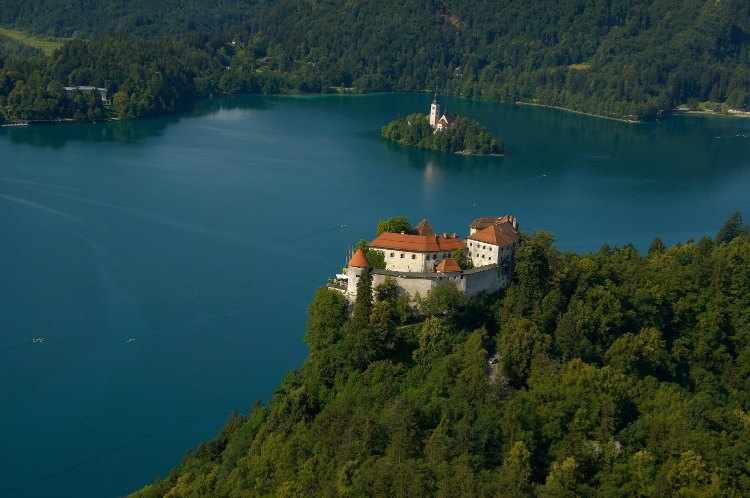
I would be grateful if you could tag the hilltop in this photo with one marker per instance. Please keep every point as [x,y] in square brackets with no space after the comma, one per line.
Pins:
[635,60]
[605,374]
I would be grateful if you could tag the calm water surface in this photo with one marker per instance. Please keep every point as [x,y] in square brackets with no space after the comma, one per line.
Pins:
[168,263]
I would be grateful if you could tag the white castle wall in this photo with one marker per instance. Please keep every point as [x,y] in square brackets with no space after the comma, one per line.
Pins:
[412,261]
[470,282]
[485,279]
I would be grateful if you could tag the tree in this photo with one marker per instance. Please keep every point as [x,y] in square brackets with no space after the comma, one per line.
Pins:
[533,268]
[641,354]
[326,315]
[397,224]
[462,258]
[515,475]
[434,341]
[387,291]
[443,300]
[383,320]
[363,302]
[518,343]
[656,247]
[688,476]
[562,481]
[731,229]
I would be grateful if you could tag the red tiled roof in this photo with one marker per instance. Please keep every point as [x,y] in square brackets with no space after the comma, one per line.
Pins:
[359,260]
[417,243]
[498,235]
[448,265]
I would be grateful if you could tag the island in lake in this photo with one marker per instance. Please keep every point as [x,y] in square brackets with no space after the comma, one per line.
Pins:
[443,132]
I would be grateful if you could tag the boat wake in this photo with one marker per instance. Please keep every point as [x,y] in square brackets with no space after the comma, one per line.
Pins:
[41,207]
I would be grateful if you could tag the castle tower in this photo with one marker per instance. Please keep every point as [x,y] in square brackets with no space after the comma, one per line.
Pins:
[434,112]
[357,266]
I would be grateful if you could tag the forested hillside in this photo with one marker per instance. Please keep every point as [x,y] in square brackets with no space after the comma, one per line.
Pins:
[87,18]
[636,58]
[619,375]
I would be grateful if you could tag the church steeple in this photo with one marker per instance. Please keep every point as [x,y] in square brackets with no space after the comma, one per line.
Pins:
[434,112]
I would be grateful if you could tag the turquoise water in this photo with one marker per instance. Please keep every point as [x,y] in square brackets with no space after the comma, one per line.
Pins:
[168,263]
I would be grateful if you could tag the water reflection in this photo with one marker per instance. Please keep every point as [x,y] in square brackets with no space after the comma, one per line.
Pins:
[57,135]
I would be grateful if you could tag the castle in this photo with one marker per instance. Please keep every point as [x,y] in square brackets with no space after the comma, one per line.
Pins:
[417,262]
[438,121]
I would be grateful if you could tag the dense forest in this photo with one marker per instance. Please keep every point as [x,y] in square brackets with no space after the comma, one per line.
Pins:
[622,58]
[465,136]
[620,374]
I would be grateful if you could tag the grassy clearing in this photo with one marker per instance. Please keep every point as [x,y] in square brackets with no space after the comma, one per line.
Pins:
[46,45]
[580,67]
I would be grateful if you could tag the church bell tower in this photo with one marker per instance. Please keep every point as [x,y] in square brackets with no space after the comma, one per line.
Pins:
[434,112]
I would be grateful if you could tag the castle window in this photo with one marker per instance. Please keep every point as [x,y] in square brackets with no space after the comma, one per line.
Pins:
[391,254]
[402,255]
[413,256]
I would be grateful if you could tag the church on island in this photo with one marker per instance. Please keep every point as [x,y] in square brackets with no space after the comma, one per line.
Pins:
[417,262]
[438,121]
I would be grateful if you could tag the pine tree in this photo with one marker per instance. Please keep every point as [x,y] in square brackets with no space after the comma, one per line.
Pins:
[363,303]
[732,228]
[657,247]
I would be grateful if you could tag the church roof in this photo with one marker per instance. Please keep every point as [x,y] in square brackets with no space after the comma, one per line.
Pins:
[359,260]
[448,265]
[417,243]
[424,228]
[502,234]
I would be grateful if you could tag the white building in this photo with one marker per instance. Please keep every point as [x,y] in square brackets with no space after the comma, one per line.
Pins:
[439,121]
[421,252]
[492,241]
[103,94]
[418,262]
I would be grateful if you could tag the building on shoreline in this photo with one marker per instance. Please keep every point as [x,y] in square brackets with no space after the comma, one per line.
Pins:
[418,262]
[71,91]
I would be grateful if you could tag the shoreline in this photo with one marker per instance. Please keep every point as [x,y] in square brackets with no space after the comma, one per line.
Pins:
[27,124]
[349,93]
[583,113]
[736,114]
[469,154]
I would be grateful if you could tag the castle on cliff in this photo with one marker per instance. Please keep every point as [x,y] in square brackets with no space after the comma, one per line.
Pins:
[417,262]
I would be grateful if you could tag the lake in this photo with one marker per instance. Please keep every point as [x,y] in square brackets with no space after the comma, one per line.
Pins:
[164,266]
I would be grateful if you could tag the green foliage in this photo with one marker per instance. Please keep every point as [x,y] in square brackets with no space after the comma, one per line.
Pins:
[462,258]
[622,375]
[326,316]
[519,342]
[444,300]
[45,45]
[637,59]
[732,228]
[628,59]
[640,354]
[397,224]
[466,136]
[363,304]
[657,247]
[374,257]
